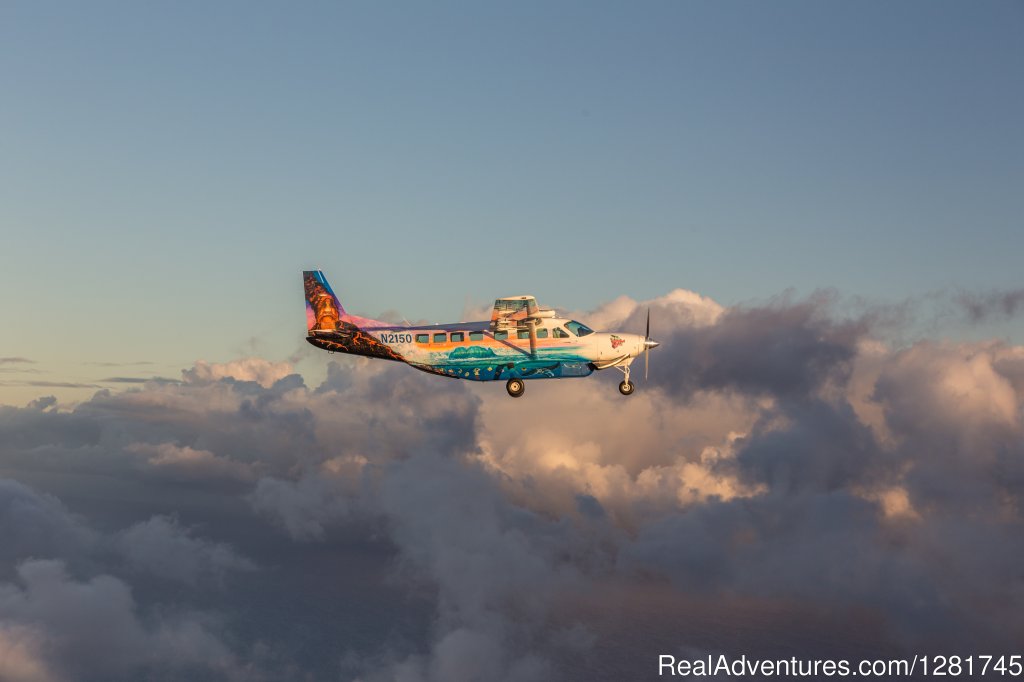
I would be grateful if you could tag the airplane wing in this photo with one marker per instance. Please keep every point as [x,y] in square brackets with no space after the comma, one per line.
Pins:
[512,311]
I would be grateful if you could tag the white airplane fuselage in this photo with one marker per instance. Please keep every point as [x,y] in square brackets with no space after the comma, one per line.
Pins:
[519,342]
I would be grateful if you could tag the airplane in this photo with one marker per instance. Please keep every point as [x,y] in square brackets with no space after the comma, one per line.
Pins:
[521,341]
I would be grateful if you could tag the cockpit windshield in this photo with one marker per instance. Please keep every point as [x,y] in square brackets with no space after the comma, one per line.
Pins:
[578,328]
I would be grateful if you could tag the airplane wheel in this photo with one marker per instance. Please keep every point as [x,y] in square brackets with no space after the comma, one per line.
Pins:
[627,388]
[515,387]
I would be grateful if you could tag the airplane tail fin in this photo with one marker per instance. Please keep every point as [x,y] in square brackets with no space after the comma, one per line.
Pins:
[323,309]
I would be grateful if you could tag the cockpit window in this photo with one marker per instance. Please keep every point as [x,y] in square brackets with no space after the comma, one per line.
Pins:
[578,329]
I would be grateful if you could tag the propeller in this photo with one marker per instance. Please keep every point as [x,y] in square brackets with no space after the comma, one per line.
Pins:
[647,350]
[648,345]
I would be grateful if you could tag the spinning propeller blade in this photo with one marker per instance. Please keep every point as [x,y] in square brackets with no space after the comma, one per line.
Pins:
[647,350]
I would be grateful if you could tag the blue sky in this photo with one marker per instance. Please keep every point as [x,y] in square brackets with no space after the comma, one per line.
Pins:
[166,170]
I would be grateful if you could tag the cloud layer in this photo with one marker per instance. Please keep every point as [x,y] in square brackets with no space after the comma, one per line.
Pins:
[788,483]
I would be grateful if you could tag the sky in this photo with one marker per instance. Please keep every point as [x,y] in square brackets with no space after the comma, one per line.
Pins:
[158,156]
[818,203]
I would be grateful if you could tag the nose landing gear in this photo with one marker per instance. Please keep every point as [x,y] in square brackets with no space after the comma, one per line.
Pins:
[626,387]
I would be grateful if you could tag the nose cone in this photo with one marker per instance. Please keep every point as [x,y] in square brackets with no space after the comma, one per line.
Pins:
[651,344]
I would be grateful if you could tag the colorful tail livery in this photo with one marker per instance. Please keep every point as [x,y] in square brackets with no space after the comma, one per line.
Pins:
[323,309]
[520,341]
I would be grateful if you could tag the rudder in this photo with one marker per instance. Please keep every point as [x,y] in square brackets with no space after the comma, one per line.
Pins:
[323,309]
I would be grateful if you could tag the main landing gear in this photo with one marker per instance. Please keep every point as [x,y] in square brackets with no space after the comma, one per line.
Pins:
[626,387]
[516,387]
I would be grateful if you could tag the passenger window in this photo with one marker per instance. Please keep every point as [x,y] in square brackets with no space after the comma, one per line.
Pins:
[560,333]
[457,337]
[500,336]
[439,338]
[542,333]
[523,334]
[476,336]
[423,338]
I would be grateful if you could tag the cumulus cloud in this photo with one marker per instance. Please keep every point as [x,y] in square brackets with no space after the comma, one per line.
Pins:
[162,547]
[263,372]
[785,348]
[497,568]
[93,627]
[786,463]
[55,626]
[678,308]
[37,525]
[21,655]
[302,507]
[43,403]
[188,464]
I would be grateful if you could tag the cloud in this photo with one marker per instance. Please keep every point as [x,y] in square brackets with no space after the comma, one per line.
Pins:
[93,627]
[303,507]
[122,364]
[21,655]
[162,547]
[993,304]
[183,463]
[261,371]
[818,483]
[497,569]
[50,384]
[38,525]
[132,380]
[957,418]
[17,365]
[678,308]
[786,348]
[48,619]
[43,403]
